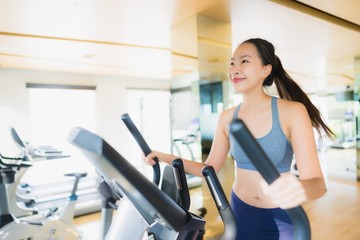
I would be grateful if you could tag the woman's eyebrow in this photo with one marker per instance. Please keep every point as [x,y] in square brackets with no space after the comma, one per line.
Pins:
[241,57]
[244,56]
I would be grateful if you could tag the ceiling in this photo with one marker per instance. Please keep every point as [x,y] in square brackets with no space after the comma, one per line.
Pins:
[133,38]
[347,10]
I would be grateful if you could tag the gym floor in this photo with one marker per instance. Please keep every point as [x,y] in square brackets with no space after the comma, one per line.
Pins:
[334,216]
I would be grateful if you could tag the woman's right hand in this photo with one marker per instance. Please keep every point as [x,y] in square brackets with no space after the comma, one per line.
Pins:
[149,159]
[161,156]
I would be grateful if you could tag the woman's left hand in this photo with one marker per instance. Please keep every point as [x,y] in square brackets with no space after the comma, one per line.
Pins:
[287,191]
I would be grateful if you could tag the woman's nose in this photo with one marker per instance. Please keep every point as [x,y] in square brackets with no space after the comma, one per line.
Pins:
[233,73]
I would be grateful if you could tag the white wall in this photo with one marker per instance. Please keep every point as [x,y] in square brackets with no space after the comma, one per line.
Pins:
[110,101]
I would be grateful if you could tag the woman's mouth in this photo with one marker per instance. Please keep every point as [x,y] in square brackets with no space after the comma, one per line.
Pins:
[237,79]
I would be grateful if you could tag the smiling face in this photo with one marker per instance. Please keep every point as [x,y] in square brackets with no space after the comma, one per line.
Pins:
[246,70]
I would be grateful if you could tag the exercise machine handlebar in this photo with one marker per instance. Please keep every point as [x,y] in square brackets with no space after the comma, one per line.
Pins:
[17,138]
[181,183]
[222,204]
[142,144]
[268,171]
[178,167]
[15,162]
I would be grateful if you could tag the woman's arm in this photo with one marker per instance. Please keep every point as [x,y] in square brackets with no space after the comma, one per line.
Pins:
[216,157]
[289,191]
[190,166]
[220,145]
[306,156]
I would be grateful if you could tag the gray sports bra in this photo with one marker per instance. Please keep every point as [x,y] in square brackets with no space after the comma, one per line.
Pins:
[275,145]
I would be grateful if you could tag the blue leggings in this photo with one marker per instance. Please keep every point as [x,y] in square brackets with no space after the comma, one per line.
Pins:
[260,223]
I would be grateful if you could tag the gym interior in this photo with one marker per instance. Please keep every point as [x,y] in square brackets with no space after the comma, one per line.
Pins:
[67,64]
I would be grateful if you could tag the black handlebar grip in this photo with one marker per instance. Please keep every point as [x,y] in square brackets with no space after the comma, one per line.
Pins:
[222,204]
[268,171]
[142,144]
[215,187]
[181,183]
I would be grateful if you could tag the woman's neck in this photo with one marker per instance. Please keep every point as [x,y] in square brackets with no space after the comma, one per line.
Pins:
[254,103]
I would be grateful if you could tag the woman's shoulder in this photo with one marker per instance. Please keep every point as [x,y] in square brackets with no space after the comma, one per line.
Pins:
[291,107]
[293,114]
[227,115]
[225,118]
[229,112]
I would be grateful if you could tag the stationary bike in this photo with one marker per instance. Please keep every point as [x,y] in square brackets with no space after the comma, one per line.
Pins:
[28,198]
[54,224]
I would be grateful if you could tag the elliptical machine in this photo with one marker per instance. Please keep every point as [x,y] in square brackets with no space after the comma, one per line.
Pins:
[145,209]
[173,183]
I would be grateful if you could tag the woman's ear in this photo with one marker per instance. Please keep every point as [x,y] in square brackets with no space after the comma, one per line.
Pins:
[267,70]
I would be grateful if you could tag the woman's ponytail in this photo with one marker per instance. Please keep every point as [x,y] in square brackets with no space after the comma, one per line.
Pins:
[288,89]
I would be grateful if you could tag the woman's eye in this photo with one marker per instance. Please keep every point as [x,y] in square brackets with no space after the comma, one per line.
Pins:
[231,64]
[244,61]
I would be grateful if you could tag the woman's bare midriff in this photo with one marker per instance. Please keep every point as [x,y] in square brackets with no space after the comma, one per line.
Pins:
[248,188]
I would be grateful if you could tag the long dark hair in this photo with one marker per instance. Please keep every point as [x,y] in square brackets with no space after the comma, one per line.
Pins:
[287,88]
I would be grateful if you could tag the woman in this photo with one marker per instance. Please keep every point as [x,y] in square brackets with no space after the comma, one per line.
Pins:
[283,127]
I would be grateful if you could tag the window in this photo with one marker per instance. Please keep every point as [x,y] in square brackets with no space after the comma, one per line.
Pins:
[54,112]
